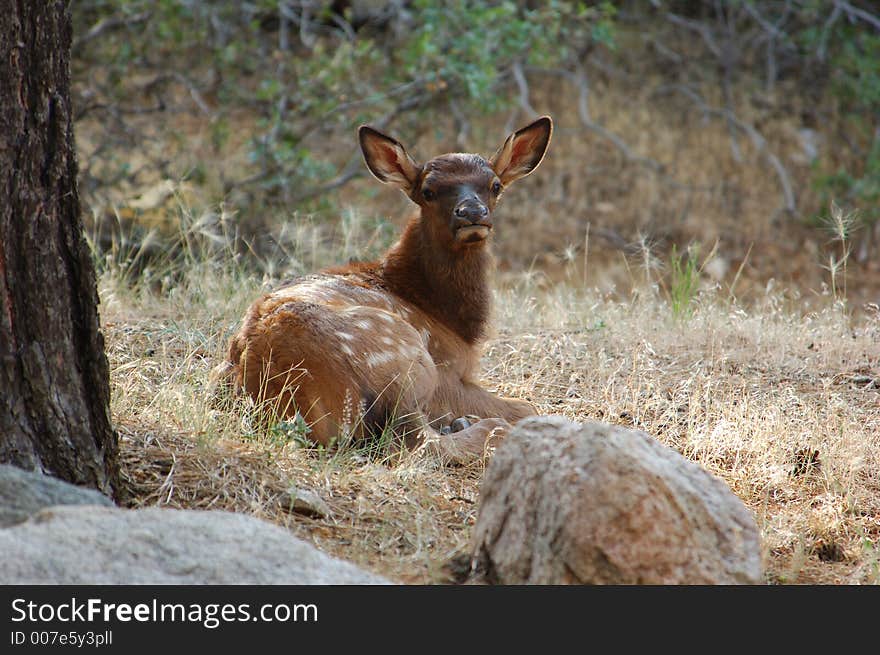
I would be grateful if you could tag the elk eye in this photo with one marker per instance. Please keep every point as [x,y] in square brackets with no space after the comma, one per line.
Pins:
[428,194]
[496,187]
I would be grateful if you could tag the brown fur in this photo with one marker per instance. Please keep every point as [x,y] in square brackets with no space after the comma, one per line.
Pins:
[356,346]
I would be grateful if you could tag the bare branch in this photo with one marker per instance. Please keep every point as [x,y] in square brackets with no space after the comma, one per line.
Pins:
[579,78]
[858,13]
[663,50]
[307,35]
[352,169]
[774,30]
[616,240]
[826,30]
[523,86]
[464,125]
[701,29]
[110,23]
[344,26]
[184,81]
[283,31]
[760,143]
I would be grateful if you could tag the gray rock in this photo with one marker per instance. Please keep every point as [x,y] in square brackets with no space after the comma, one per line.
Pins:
[305,501]
[23,493]
[565,503]
[96,545]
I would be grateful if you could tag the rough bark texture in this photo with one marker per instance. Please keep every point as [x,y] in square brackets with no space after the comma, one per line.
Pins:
[564,503]
[54,385]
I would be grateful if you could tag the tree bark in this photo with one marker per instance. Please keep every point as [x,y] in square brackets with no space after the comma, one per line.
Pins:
[54,379]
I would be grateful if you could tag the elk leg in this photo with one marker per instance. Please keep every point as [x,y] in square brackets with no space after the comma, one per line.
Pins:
[455,398]
[465,446]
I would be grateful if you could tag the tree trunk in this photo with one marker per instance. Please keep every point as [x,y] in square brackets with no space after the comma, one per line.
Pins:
[54,381]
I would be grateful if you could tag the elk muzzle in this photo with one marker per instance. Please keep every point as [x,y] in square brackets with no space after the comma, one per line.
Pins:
[471,220]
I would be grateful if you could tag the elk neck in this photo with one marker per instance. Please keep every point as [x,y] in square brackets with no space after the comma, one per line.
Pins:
[450,285]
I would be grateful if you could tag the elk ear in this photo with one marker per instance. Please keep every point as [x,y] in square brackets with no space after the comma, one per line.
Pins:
[523,151]
[387,159]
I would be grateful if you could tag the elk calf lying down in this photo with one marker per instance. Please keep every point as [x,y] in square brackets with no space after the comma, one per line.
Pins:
[395,343]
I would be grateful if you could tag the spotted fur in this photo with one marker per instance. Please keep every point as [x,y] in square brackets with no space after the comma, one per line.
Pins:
[399,338]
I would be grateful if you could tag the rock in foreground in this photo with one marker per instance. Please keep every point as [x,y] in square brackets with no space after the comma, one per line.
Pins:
[23,493]
[96,545]
[567,503]
[52,532]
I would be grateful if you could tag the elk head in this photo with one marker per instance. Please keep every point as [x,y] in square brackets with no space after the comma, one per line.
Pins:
[457,192]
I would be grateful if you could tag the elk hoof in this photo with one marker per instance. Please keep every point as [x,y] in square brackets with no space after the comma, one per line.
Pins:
[470,444]
[464,422]
[459,424]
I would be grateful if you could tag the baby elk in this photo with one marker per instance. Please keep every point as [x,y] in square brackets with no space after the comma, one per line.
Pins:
[395,344]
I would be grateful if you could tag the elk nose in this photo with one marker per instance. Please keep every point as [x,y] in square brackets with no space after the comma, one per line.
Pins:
[472,212]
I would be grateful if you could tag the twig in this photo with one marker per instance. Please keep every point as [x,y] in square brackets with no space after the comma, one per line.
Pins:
[586,253]
[616,240]
[110,23]
[464,125]
[283,28]
[352,170]
[661,49]
[826,30]
[344,26]
[183,81]
[306,35]
[774,30]
[739,271]
[283,47]
[711,254]
[523,86]
[774,34]
[701,29]
[858,13]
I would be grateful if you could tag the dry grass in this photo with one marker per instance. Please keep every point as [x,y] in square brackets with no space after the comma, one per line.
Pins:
[782,405]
